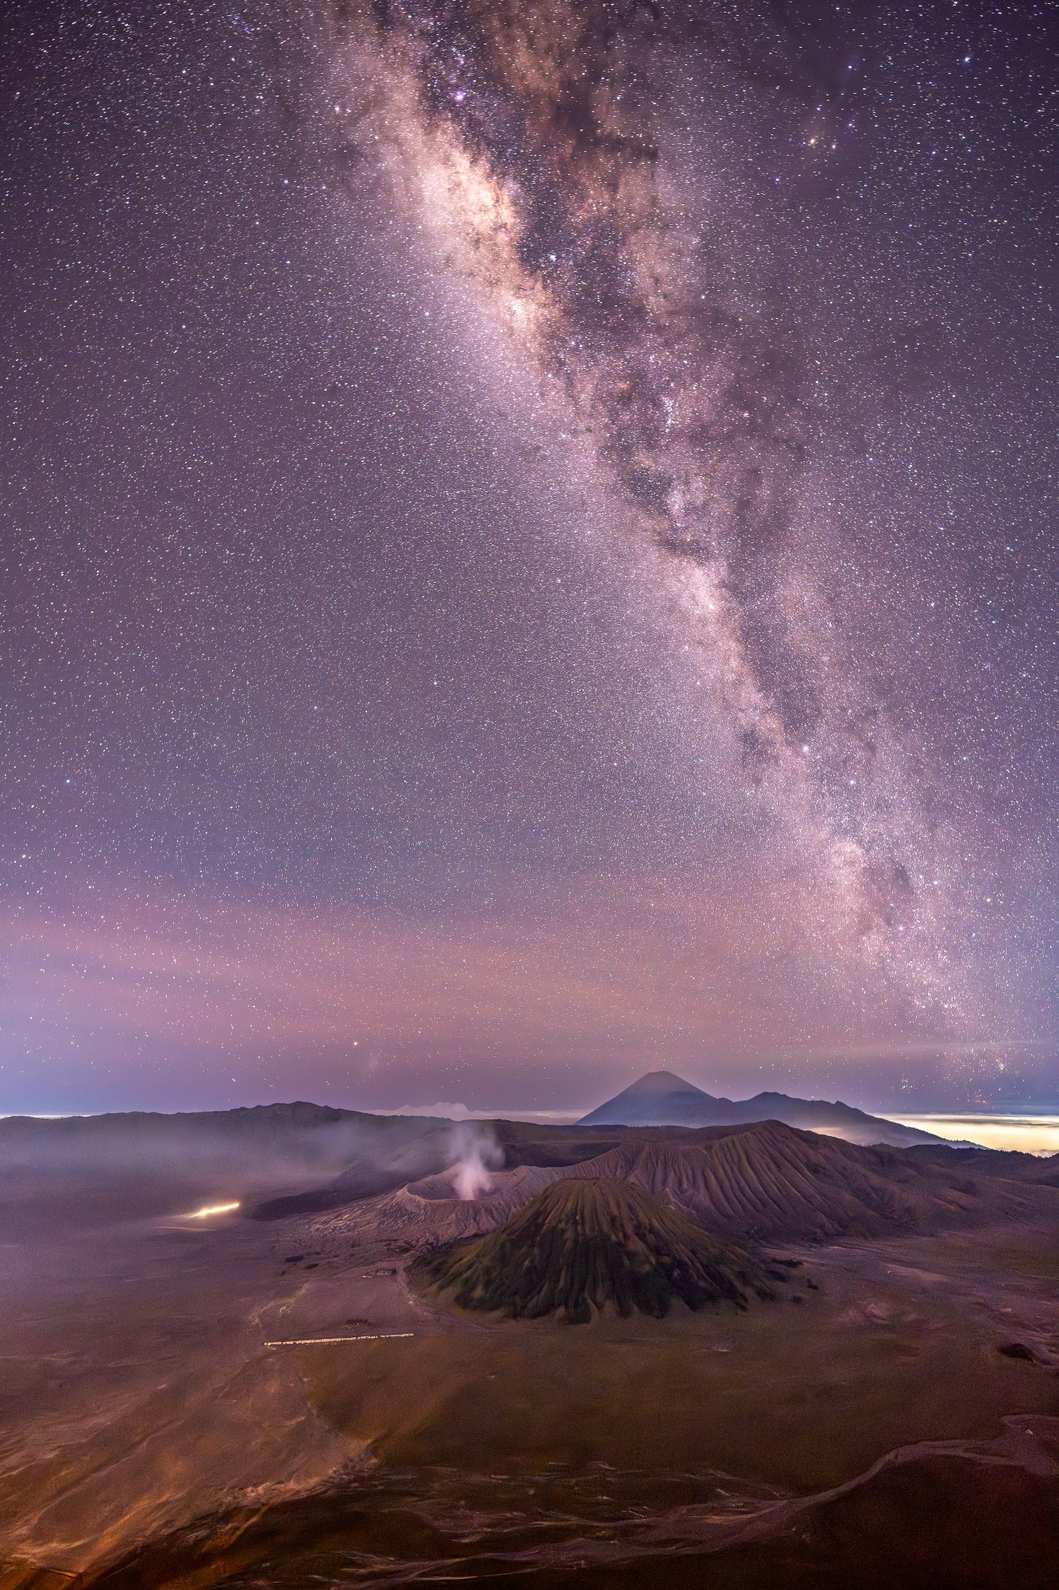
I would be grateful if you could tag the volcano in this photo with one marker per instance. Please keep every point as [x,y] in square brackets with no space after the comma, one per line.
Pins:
[760,1183]
[661,1098]
[582,1246]
[767,1182]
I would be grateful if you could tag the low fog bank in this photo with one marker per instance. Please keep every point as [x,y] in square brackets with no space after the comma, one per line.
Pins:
[468,1151]
[80,1171]
[275,1160]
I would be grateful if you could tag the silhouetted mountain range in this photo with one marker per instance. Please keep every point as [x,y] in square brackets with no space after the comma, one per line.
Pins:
[663,1099]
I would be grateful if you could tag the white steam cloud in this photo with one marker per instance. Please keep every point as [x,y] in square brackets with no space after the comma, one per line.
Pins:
[476,1154]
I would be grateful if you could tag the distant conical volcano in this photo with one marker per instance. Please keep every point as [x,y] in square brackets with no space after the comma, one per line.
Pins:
[581,1246]
[661,1098]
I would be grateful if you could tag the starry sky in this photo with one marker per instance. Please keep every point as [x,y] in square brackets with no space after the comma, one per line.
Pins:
[527,552]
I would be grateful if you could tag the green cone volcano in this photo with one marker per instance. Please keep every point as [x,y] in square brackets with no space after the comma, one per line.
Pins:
[581,1246]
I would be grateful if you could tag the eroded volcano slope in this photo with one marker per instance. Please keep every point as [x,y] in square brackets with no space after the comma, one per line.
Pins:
[771,1182]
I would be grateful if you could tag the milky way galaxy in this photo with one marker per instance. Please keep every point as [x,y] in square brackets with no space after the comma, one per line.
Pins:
[544,144]
[529,553]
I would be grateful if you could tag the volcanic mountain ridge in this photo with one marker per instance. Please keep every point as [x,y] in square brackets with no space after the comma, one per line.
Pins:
[770,1182]
[765,1182]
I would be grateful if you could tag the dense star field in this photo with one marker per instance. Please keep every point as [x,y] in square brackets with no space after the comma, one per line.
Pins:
[527,552]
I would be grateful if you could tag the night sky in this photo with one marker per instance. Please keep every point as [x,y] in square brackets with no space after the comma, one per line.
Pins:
[527,552]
